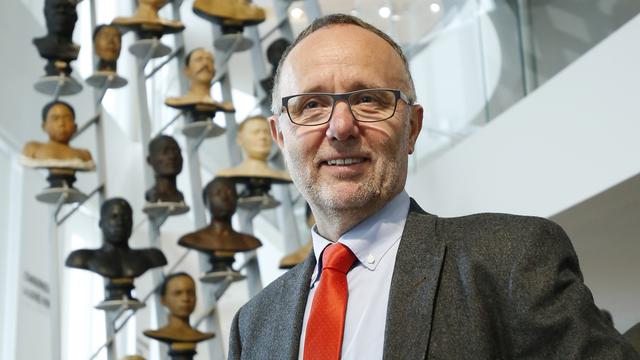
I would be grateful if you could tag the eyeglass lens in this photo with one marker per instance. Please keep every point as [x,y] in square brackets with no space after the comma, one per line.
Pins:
[367,105]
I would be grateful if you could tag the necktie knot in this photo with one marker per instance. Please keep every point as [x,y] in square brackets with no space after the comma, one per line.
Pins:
[338,257]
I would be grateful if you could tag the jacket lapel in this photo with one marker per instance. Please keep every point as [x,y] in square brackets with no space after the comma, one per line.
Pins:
[289,311]
[413,287]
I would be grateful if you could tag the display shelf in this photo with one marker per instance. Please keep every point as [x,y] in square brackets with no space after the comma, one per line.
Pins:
[57,85]
[149,49]
[106,79]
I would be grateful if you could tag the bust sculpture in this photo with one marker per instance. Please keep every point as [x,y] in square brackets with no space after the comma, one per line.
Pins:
[219,239]
[58,121]
[178,295]
[115,260]
[298,256]
[200,69]
[254,138]
[107,41]
[275,50]
[166,160]
[226,12]
[57,46]
[146,22]
[633,336]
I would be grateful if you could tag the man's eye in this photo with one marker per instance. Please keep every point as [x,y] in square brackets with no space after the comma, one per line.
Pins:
[311,105]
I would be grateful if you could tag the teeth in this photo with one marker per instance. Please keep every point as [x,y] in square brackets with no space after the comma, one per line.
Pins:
[347,161]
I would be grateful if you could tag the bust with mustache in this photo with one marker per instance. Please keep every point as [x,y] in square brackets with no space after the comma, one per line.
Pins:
[200,69]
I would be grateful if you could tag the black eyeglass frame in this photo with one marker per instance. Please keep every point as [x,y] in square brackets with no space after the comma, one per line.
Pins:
[399,95]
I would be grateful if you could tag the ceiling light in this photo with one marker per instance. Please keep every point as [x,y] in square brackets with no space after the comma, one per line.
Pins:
[384,12]
[354,12]
[297,13]
[434,7]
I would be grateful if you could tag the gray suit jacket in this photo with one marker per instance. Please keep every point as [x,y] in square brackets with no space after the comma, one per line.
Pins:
[487,286]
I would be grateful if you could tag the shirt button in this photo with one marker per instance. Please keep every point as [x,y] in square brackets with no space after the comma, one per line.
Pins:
[371,259]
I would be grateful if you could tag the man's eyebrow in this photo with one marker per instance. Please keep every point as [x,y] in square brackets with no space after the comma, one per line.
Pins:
[359,85]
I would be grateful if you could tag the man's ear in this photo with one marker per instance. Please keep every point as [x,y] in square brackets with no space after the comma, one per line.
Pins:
[276,133]
[415,125]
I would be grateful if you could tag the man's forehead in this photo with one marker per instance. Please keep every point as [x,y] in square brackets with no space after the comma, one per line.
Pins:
[347,50]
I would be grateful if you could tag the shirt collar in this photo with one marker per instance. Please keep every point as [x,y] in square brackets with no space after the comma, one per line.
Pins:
[372,238]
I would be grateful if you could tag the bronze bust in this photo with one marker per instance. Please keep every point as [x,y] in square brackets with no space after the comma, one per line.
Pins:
[166,160]
[57,46]
[115,260]
[219,240]
[107,42]
[275,50]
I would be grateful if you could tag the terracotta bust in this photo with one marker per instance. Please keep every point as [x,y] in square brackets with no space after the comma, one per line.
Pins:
[178,295]
[219,238]
[146,22]
[107,41]
[58,121]
[200,69]
[240,12]
[57,46]
[166,160]
[255,140]
[115,260]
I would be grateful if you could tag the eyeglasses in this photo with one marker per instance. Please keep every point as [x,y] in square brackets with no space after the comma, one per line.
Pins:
[367,105]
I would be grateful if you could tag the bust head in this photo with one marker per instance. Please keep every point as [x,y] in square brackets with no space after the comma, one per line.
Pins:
[164,156]
[276,49]
[254,138]
[178,294]
[199,66]
[58,121]
[156,4]
[220,197]
[61,17]
[107,42]
[116,221]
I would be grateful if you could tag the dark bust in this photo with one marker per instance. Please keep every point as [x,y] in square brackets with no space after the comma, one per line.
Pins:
[166,160]
[115,259]
[219,237]
[274,53]
[107,42]
[57,46]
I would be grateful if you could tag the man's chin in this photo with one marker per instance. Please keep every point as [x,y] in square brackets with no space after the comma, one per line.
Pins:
[344,198]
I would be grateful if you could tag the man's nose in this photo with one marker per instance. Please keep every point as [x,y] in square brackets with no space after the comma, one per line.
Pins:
[342,125]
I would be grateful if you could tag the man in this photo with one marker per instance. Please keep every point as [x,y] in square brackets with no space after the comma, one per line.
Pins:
[488,286]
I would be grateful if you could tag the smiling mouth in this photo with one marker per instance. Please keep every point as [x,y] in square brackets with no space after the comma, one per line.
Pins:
[345,161]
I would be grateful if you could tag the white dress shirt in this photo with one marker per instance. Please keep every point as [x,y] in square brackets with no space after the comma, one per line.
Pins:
[375,243]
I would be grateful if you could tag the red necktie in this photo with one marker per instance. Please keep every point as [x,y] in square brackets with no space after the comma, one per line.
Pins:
[325,327]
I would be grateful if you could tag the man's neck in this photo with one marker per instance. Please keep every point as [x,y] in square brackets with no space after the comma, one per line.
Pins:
[333,223]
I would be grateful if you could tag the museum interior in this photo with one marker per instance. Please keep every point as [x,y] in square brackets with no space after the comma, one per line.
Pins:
[135,146]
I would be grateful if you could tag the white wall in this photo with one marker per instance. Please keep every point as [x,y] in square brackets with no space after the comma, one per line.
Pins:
[571,139]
